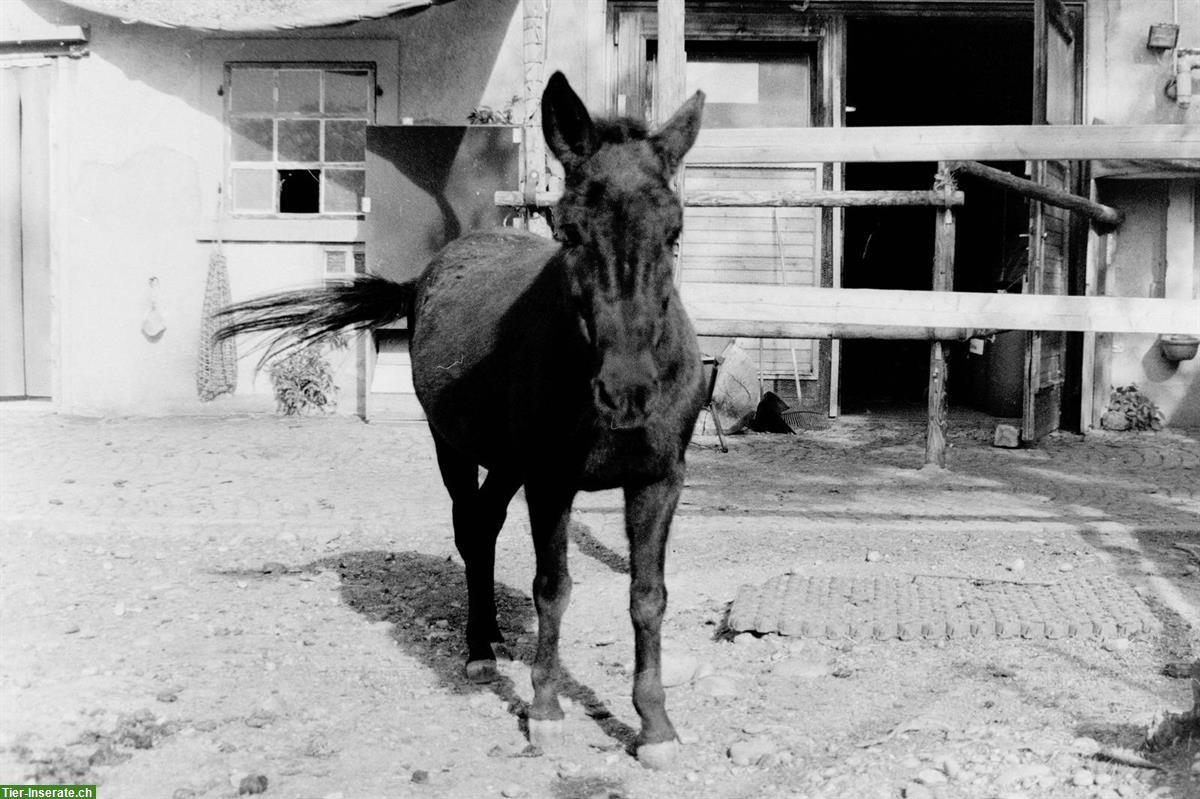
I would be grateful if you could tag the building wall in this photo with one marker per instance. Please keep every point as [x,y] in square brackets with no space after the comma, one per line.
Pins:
[1156,252]
[140,137]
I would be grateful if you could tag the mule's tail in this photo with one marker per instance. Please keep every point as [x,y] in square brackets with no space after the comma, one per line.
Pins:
[307,315]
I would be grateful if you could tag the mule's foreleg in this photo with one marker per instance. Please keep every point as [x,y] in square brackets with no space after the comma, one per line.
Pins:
[549,516]
[648,512]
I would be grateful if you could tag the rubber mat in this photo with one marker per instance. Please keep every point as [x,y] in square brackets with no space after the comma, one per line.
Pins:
[907,608]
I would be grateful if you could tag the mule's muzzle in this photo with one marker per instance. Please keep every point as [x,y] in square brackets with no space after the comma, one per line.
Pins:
[625,405]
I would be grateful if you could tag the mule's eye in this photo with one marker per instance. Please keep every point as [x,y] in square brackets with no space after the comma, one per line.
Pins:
[666,303]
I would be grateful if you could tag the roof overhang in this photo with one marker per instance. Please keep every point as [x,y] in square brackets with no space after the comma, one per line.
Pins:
[251,16]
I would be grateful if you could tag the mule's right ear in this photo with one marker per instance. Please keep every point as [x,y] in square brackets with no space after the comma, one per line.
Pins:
[566,124]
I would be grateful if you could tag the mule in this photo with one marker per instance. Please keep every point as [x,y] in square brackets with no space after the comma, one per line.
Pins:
[558,365]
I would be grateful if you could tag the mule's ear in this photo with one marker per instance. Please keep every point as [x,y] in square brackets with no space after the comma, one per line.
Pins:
[566,124]
[677,136]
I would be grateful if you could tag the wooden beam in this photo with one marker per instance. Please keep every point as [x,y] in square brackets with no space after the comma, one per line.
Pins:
[1106,218]
[777,199]
[534,58]
[820,199]
[772,311]
[670,83]
[945,143]
[943,280]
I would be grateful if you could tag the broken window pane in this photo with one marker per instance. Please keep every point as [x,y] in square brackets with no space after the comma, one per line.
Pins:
[254,190]
[299,140]
[347,91]
[253,139]
[299,90]
[346,140]
[344,189]
[299,191]
[252,90]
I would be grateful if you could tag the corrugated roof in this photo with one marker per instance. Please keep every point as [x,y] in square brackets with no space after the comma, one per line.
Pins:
[245,16]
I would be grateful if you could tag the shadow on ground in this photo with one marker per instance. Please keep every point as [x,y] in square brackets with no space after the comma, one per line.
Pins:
[424,598]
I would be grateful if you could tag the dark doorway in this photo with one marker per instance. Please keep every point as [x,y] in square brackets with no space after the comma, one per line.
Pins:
[922,71]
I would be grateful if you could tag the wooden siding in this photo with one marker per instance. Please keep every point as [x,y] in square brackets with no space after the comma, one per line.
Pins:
[756,246]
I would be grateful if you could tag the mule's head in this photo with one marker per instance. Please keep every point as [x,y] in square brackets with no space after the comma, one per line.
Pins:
[618,220]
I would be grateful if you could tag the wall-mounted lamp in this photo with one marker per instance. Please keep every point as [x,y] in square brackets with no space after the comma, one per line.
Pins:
[1163,36]
[1187,76]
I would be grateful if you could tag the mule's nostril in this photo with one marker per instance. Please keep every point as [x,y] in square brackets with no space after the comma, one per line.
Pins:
[603,397]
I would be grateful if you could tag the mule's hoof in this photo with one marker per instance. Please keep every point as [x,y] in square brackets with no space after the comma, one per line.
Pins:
[546,734]
[482,671]
[659,756]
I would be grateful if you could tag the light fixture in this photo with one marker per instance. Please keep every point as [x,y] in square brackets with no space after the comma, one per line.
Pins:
[1163,36]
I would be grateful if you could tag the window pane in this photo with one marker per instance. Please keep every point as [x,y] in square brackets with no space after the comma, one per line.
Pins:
[299,90]
[347,91]
[749,86]
[344,189]
[254,190]
[299,140]
[253,139]
[346,140]
[299,191]
[252,89]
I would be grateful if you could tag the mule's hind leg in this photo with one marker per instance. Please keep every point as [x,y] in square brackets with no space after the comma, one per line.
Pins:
[648,513]
[549,516]
[479,513]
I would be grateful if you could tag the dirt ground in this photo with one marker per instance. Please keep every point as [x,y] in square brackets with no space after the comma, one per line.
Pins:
[197,607]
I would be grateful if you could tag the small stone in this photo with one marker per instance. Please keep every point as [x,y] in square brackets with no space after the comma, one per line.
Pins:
[1082,778]
[1117,645]
[420,776]
[1102,779]
[1196,767]
[1065,567]
[1006,436]
[566,770]
[254,783]
[119,609]
[749,753]
[1018,565]
[1019,774]
[1085,746]
[273,567]
[874,556]
[930,776]
[71,629]
[950,766]
[745,639]
[184,793]
[169,695]
[513,791]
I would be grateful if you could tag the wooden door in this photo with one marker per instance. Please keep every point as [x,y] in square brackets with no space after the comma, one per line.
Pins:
[25,363]
[1056,101]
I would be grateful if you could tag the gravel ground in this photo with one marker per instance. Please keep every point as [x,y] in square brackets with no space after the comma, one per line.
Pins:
[207,606]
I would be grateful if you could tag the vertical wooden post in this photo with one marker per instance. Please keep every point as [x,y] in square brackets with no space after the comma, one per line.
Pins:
[534,55]
[670,83]
[943,280]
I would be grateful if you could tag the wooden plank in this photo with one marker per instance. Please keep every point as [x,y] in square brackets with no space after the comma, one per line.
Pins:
[670,83]
[723,309]
[943,280]
[1098,213]
[819,199]
[945,143]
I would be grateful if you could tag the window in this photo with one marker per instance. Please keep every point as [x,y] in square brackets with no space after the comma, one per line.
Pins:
[297,137]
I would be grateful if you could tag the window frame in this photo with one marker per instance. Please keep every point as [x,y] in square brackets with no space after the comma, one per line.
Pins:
[274,164]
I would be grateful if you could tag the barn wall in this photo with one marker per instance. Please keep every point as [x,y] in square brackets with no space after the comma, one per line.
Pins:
[141,141]
[1156,252]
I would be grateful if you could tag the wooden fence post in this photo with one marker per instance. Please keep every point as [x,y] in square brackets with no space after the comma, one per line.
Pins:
[943,280]
[534,56]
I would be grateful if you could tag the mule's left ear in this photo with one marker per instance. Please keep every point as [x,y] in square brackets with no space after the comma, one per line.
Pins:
[566,123]
[677,136]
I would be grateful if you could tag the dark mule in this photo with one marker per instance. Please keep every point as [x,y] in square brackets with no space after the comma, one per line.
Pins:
[556,366]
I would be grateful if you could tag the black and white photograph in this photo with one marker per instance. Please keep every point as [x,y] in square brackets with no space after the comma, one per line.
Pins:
[600,399]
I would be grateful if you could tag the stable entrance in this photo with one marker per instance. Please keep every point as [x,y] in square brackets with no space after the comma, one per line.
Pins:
[922,71]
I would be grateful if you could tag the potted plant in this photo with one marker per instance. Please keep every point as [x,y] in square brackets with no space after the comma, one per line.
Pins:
[1178,347]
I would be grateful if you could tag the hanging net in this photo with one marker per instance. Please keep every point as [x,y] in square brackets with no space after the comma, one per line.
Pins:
[216,372]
